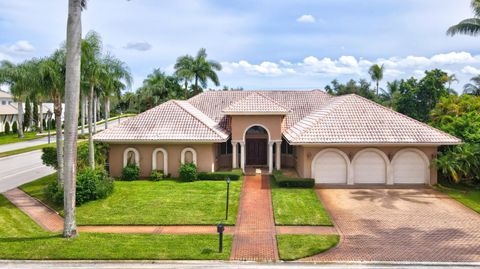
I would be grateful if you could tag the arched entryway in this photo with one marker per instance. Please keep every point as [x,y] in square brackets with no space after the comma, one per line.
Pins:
[256,143]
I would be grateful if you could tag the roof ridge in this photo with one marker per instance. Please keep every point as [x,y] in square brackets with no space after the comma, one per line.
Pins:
[316,116]
[404,116]
[214,127]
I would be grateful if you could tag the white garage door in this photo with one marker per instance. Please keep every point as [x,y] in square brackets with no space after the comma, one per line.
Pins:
[330,168]
[369,168]
[409,168]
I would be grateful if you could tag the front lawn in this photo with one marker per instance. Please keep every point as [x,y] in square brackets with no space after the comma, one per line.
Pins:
[467,195]
[13,138]
[21,238]
[295,246]
[298,206]
[166,202]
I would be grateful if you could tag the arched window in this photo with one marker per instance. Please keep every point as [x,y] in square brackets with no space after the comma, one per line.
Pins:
[131,156]
[189,155]
[160,160]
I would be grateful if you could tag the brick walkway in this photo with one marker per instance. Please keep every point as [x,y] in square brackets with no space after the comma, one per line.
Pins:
[254,237]
[401,225]
[47,218]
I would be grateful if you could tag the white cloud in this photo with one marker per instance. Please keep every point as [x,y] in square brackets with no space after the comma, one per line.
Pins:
[470,70]
[264,68]
[306,19]
[21,46]
[140,46]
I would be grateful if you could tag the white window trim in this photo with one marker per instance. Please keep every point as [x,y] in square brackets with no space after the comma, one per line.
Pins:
[194,155]
[125,156]
[165,160]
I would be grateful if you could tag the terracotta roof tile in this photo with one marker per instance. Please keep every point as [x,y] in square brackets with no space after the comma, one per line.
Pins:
[256,103]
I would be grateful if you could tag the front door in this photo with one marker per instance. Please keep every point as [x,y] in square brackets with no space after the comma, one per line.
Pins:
[256,151]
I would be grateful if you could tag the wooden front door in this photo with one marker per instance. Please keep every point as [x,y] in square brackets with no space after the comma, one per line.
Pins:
[256,151]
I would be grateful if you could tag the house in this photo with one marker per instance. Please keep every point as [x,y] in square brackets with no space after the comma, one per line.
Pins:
[335,140]
[5,98]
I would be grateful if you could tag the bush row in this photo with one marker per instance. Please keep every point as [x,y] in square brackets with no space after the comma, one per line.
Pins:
[288,182]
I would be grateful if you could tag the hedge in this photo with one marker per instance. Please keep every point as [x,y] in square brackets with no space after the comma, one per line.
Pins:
[234,175]
[288,182]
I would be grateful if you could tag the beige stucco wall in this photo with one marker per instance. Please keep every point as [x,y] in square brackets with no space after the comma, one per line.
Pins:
[240,124]
[205,157]
[305,155]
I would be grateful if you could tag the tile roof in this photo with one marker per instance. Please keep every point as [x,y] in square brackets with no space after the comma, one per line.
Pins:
[256,103]
[351,119]
[8,110]
[313,117]
[173,121]
[4,94]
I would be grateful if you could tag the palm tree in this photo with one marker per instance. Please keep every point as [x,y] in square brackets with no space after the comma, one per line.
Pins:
[474,87]
[52,75]
[470,26]
[450,79]
[19,77]
[72,93]
[390,96]
[115,78]
[376,73]
[91,68]
[154,88]
[184,70]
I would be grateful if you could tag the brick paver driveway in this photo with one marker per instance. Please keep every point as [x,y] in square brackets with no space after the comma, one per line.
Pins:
[401,225]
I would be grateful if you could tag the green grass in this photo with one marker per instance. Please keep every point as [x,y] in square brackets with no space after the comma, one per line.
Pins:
[298,206]
[13,138]
[24,150]
[295,246]
[467,195]
[36,189]
[21,238]
[166,202]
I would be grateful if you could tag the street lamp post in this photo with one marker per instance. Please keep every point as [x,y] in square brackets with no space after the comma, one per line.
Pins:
[228,194]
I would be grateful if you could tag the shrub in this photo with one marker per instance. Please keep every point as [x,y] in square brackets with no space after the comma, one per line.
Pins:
[130,172]
[219,176]
[287,182]
[52,124]
[15,127]
[188,172]
[91,185]
[44,124]
[7,128]
[156,175]
[49,157]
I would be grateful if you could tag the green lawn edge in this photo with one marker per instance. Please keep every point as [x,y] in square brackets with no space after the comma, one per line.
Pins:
[23,239]
[298,207]
[467,195]
[296,246]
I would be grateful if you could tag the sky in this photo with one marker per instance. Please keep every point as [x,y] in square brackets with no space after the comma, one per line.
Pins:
[261,44]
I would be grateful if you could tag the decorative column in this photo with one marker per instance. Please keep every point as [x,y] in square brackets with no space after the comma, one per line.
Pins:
[270,157]
[242,155]
[234,155]
[278,154]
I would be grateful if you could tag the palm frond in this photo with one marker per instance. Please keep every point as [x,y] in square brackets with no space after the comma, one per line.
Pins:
[469,26]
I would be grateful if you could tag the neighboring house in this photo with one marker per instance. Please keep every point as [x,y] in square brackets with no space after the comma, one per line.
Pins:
[335,140]
[5,98]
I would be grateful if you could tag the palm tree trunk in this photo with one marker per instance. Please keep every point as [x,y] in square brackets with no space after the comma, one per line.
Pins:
[40,117]
[186,89]
[94,113]
[57,110]
[82,106]
[377,87]
[91,153]
[195,91]
[72,93]
[107,111]
[20,118]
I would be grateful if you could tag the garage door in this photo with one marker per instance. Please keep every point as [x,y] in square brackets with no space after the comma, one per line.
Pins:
[330,168]
[409,168]
[369,167]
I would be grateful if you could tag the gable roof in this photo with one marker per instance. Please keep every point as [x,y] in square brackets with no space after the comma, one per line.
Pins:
[256,104]
[351,119]
[4,94]
[173,121]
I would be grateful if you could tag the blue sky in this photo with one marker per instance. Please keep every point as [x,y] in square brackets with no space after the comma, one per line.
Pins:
[261,44]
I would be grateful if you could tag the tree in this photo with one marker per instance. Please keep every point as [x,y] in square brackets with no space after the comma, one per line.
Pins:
[474,87]
[450,79]
[72,92]
[36,120]
[390,96]
[19,77]
[376,73]
[470,26]
[184,71]
[361,88]
[91,68]
[27,117]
